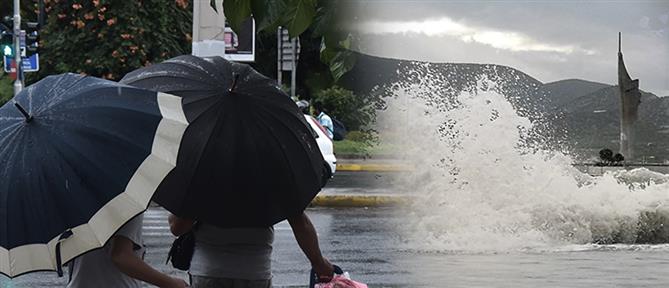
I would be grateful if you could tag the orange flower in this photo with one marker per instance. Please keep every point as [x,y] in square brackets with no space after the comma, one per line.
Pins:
[78,23]
[76,6]
[182,3]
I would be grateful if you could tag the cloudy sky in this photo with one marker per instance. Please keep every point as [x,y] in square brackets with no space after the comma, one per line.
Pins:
[549,40]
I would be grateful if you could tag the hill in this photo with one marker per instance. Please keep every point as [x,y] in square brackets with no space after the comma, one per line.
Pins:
[565,91]
[583,115]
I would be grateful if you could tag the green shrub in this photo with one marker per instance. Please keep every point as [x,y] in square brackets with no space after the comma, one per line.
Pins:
[346,107]
[358,136]
[6,88]
[109,38]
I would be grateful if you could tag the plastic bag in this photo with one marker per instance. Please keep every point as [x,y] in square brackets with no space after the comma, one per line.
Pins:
[341,281]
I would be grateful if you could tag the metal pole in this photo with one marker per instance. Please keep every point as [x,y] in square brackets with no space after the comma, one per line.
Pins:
[293,73]
[18,84]
[40,17]
[279,53]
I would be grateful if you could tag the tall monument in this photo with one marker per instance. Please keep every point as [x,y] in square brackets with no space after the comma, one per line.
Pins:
[630,97]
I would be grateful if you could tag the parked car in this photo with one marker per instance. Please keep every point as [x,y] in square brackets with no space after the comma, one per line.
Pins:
[324,143]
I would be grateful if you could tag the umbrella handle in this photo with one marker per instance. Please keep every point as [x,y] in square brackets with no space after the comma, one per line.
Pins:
[59,261]
[24,112]
[234,82]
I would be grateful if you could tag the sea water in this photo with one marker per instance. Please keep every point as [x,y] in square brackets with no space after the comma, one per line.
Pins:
[495,206]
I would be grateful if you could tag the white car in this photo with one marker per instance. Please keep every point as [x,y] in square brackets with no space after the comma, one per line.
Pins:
[324,143]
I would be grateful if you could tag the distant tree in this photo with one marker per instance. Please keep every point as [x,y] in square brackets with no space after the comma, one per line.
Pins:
[6,89]
[28,10]
[318,16]
[606,155]
[108,38]
[618,158]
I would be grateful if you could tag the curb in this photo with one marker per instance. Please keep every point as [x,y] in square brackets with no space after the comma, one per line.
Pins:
[360,201]
[373,167]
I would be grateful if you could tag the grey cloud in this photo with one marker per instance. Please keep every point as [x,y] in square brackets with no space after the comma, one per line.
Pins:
[589,25]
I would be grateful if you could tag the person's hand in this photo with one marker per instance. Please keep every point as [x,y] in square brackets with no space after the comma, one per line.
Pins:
[177,283]
[324,270]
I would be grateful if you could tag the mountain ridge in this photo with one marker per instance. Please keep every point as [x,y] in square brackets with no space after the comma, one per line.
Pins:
[587,111]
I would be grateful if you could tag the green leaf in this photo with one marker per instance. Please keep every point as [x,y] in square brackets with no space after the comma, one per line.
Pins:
[267,13]
[346,43]
[299,15]
[212,3]
[327,52]
[236,12]
[342,62]
[332,43]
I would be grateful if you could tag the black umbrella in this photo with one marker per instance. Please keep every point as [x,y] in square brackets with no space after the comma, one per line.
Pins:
[79,157]
[248,158]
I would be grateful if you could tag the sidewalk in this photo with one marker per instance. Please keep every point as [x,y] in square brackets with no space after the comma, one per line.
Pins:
[360,194]
[373,165]
[360,200]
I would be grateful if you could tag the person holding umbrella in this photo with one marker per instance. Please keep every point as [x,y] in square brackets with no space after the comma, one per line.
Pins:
[82,157]
[241,257]
[248,161]
[119,263]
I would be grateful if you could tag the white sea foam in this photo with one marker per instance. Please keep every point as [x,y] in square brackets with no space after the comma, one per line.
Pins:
[481,186]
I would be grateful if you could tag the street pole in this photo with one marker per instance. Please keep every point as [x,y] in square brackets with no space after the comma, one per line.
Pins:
[18,84]
[293,73]
[279,62]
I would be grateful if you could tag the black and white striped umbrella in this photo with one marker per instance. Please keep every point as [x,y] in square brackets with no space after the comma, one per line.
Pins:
[79,157]
[248,158]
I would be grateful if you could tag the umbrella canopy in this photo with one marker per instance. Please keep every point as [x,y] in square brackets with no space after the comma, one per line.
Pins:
[248,158]
[79,157]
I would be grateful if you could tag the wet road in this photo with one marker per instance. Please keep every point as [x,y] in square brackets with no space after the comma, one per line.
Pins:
[368,244]
[359,240]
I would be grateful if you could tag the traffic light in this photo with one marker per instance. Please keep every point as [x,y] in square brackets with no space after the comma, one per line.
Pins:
[7,50]
[32,37]
[29,37]
[6,40]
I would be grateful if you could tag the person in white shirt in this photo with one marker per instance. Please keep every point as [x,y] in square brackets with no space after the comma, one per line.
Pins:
[119,263]
[324,119]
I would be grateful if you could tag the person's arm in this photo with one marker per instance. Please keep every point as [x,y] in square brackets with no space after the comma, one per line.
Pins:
[179,226]
[307,239]
[125,259]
